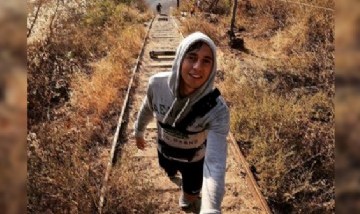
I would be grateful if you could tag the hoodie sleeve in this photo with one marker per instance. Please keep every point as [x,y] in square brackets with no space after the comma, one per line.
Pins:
[215,163]
[145,114]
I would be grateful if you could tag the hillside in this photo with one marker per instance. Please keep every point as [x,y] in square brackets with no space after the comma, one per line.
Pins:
[276,73]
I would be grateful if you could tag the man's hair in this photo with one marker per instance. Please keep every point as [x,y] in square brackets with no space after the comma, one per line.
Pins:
[195,46]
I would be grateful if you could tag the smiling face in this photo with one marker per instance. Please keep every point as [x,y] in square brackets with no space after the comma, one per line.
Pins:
[195,69]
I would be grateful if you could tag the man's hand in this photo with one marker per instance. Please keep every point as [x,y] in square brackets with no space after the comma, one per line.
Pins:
[140,143]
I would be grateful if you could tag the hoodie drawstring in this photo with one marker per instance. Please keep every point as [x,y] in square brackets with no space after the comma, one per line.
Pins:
[170,109]
[182,111]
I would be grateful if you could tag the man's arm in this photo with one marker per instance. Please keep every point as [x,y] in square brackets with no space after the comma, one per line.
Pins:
[215,164]
[144,117]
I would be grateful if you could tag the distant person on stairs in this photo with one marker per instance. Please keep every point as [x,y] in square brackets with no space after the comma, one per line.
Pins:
[158,8]
[192,123]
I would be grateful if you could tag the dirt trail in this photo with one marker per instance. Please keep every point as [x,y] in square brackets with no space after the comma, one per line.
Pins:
[239,197]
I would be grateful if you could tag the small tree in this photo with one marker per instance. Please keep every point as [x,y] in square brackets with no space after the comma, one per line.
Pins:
[38,7]
[213,4]
[52,19]
[232,24]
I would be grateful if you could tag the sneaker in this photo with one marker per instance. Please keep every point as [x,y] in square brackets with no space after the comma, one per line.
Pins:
[189,206]
[183,203]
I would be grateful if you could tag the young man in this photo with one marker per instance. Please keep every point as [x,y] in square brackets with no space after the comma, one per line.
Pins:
[193,122]
[158,8]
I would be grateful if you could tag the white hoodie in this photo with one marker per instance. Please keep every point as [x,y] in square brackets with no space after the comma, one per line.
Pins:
[164,102]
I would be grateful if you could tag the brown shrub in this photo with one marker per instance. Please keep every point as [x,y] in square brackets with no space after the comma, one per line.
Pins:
[280,12]
[282,111]
[76,81]
[126,189]
[191,25]
[289,143]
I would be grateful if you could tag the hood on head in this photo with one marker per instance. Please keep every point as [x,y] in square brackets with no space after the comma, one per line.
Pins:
[174,80]
[181,106]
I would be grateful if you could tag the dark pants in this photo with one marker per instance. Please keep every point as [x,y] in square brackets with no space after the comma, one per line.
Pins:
[191,173]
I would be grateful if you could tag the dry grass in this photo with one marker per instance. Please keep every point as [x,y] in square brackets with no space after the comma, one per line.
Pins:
[214,25]
[194,24]
[282,110]
[76,81]
[223,7]
[128,190]
[92,95]
[285,140]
